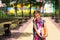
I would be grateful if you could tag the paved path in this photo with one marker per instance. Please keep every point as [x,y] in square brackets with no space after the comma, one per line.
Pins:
[23,32]
[57,24]
[53,32]
[28,35]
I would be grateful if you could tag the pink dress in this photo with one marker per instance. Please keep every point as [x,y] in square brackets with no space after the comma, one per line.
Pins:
[39,28]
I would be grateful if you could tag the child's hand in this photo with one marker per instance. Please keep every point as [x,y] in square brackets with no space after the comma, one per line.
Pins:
[43,37]
[46,35]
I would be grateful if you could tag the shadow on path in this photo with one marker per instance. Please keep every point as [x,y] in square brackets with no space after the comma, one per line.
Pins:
[16,35]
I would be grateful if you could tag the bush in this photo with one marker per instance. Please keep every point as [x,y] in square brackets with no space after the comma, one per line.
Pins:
[2,14]
[48,14]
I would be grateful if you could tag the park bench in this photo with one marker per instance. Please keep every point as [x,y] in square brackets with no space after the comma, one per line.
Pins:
[4,27]
[7,30]
[57,19]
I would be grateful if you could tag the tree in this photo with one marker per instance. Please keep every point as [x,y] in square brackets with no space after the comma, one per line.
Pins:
[55,2]
[7,2]
[57,6]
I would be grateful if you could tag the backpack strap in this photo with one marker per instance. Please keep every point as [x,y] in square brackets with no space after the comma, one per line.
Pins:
[42,21]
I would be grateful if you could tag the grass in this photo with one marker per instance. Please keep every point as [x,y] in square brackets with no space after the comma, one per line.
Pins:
[13,26]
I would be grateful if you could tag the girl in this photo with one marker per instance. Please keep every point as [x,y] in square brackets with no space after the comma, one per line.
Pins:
[38,25]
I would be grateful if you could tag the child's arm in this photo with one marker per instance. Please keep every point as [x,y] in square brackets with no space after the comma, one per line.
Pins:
[37,32]
[35,28]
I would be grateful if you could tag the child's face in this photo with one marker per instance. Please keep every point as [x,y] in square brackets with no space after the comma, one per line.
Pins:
[37,16]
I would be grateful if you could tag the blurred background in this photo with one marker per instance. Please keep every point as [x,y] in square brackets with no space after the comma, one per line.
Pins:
[16,12]
[19,8]
[26,8]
